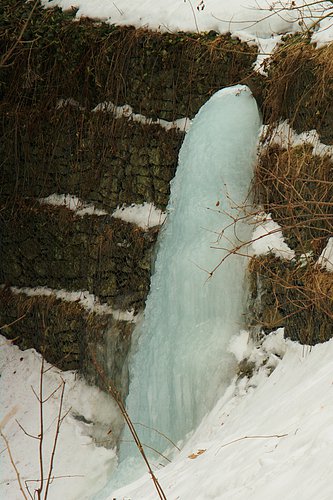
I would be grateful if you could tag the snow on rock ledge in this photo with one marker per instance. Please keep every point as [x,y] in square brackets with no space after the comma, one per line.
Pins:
[88,301]
[182,124]
[259,22]
[326,258]
[285,137]
[267,238]
[145,215]
[72,203]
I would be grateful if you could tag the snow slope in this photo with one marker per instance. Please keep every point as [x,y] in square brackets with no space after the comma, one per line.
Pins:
[79,466]
[267,437]
[272,439]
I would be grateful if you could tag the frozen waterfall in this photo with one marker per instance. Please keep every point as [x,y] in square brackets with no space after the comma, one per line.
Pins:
[179,364]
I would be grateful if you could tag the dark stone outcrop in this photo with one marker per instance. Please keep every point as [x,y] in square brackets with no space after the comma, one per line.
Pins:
[97,157]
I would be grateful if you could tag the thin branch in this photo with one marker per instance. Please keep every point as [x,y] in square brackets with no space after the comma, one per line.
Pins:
[52,393]
[19,38]
[250,437]
[147,446]
[56,437]
[35,393]
[12,461]
[194,16]
[25,432]
[158,432]
[55,477]
[41,434]
[116,396]
[12,323]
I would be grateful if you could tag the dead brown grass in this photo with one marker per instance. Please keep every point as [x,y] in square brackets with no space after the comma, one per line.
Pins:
[300,87]
[298,298]
[297,189]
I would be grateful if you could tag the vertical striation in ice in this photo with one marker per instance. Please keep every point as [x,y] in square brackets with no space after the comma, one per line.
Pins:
[180,365]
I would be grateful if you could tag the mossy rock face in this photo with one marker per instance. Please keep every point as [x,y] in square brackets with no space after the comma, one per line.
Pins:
[50,246]
[298,298]
[68,336]
[295,187]
[48,146]
[45,324]
[160,75]
[111,161]
[94,156]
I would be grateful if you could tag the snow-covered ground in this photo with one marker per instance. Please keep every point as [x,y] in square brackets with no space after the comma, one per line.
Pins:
[79,466]
[267,437]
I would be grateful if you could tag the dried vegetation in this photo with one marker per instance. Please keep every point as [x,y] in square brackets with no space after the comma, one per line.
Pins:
[295,186]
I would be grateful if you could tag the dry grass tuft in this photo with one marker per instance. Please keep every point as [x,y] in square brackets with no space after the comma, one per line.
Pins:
[297,189]
[301,87]
[298,298]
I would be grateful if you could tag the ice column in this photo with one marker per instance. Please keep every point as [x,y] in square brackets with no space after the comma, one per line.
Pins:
[179,365]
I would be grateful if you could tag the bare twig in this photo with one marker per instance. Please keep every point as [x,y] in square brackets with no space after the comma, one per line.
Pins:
[194,16]
[25,432]
[116,396]
[13,322]
[12,461]
[41,432]
[56,437]
[55,477]
[158,432]
[251,437]
[19,38]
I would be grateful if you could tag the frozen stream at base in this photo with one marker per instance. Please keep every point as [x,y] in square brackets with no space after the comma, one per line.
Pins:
[179,365]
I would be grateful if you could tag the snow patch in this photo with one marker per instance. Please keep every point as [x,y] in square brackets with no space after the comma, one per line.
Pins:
[222,16]
[63,103]
[241,345]
[80,464]
[262,353]
[267,238]
[325,259]
[257,22]
[266,47]
[144,216]
[324,34]
[126,111]
[271,436]
[73,203]
[87,300]
[284,136]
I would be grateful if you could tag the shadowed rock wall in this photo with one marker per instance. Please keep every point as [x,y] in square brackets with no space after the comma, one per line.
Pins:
[50,146]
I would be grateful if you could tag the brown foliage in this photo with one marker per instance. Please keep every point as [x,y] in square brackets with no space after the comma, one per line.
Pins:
[300,87]
[296,188]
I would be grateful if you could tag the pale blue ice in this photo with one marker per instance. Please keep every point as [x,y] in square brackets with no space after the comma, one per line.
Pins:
[179,363]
